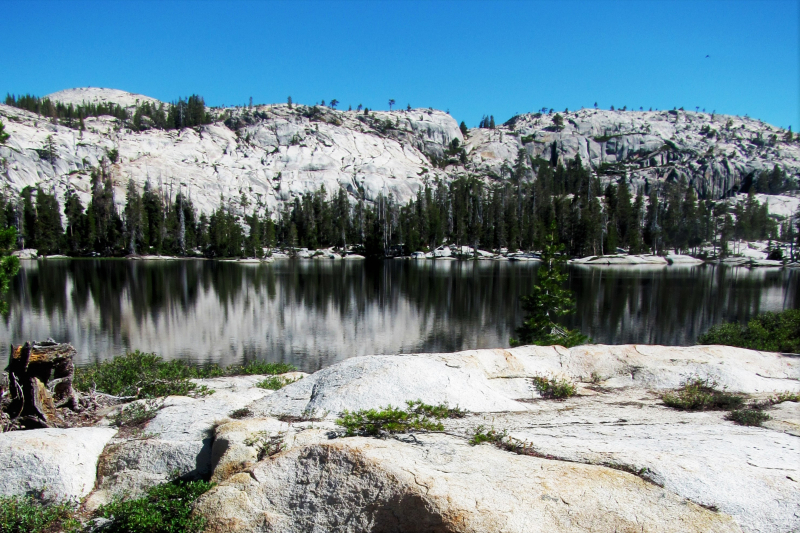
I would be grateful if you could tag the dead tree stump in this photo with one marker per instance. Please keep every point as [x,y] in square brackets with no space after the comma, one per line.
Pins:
[32,368]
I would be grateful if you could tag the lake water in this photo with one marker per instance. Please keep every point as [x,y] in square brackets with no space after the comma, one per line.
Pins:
[313,313]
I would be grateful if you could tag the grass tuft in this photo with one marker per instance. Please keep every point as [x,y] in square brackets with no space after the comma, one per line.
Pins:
[698,394]
[137,414]
[146,375]
[274,383]
[554,388]
[26,514]
[417,416]
[166,508]
[749,416]
[244,412]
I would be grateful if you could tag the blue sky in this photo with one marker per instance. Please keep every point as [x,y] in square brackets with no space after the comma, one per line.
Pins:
[471,58]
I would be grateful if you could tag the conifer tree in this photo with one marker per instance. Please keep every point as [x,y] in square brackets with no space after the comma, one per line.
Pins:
[133,217]
[3,135]
[548,302]
[9,264]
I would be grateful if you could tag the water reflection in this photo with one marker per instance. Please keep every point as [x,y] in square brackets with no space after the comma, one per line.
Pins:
[314,313]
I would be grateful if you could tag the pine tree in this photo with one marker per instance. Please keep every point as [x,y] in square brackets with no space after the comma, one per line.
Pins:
[548,302]
[133,217]
[9,264]
[48,224]
[4,136]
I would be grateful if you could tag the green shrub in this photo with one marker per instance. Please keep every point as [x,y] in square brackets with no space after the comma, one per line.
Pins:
[138,374]
[785,397]
[265,445]
[749,416]
[166,508]
[701,395]
[146,375]
[136,414]
[554,388]
[244,412]
[483,435]
[417,417]
[259,368]
[770,332]
[25,514]
[274,383]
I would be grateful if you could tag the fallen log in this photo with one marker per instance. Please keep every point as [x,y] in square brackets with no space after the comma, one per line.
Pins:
[39,380]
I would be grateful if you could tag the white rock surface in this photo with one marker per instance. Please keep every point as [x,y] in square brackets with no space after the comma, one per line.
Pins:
[438,483]
[618,259]
[177,441]
[648,145]
[274,155]
[61,463]
[748,473]
[493,380]
[98,95]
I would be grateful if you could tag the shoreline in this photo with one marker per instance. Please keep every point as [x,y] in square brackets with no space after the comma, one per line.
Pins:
[616,260]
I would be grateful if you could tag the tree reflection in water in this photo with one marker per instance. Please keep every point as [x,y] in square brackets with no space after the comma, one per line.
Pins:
[315,312]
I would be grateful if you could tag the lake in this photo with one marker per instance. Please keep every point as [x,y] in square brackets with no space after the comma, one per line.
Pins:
[313,313]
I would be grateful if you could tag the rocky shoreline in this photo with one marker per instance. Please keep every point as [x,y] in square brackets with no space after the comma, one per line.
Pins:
[612,457]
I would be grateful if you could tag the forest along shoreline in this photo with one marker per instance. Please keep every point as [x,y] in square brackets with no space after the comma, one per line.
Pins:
[750,254]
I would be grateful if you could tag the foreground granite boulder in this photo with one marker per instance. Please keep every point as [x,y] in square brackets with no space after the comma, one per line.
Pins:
[439,483]
[494,380]
[175,443]
[58,464]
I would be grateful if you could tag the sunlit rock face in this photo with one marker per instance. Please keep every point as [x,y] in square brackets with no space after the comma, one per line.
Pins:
[268,154]
[717,154]
[271,154]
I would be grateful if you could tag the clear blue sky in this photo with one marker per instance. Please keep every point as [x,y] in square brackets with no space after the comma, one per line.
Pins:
[471,58]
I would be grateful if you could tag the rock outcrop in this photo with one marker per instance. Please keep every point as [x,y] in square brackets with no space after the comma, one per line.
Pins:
[613,457]
[176,443]
[274,153]
[438,483]
[56,464]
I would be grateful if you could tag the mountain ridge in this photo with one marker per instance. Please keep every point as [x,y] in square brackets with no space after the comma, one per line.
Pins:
[270,154]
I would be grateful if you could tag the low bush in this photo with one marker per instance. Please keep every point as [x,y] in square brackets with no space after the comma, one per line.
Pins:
[487,435]
[785,397]
[274,383]
[417,416]
[166,508]
[554,388]
[771,332]
[244,412]
[25,514]
[146,375]
[266,445]
[702,395]
[749,416]
[137,413]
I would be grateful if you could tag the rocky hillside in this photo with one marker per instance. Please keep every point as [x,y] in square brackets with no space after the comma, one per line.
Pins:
[273,153]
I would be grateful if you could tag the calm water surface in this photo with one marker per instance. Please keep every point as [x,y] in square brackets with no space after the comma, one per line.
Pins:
[313,313]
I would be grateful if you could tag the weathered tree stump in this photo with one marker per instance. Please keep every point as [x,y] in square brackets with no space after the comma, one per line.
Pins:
[32,368]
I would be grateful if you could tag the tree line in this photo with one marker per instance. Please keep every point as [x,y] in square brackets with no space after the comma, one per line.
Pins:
[513,213]
[183,113]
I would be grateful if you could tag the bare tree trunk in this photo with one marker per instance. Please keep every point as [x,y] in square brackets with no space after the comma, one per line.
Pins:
[30,368]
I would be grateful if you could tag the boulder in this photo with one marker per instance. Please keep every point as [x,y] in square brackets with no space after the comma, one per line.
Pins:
[748,473]
[60,463]
[495,380]
[175,443]
[381,380]
[239,444]
[439,483]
